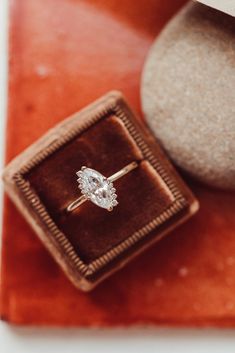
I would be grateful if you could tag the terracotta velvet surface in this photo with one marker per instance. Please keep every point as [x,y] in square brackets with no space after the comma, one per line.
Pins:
[63,55]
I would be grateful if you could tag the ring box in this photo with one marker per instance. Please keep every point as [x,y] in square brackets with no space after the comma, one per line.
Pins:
[91,243]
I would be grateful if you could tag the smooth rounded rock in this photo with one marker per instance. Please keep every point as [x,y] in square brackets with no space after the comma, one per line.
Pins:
[188,93]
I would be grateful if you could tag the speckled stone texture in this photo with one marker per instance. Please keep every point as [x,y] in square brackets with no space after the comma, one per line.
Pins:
[188,93]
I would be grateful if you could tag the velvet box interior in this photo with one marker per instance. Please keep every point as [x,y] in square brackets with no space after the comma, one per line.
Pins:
[90,243]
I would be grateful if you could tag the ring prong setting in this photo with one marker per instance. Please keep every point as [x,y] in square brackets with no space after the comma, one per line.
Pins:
[97,188]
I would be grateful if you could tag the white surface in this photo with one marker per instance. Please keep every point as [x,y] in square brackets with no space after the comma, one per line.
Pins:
[227,6]
[112,341]
[24,340]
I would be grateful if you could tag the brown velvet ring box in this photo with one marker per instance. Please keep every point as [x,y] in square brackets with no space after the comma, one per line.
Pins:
[90,243]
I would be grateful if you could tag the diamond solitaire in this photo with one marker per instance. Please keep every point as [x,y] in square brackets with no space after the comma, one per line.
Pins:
[98,189]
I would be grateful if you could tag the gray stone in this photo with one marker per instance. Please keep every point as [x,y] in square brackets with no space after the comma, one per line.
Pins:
[188,93]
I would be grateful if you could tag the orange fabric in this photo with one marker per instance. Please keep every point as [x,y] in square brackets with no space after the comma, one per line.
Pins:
[63,56]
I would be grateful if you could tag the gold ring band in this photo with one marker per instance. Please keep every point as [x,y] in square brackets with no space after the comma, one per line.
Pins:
[97,188]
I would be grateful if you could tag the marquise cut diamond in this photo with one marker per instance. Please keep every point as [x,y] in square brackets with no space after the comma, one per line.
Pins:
[97,188]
